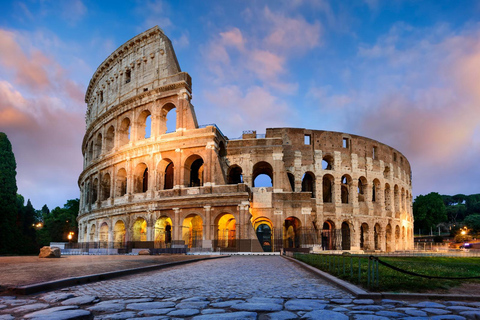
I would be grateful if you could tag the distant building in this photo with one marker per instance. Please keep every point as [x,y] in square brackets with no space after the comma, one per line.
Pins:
[148,185]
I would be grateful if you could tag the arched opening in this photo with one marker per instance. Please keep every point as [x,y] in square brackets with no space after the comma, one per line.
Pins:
[168,118]
[345,188]
[139,230]
[119,234]
[345,236]
[85,234]
[145,125]
[98,145]
[222,151]
[364,236]
[105,187]
[124,132]
[376,236]
[376,190]
[328,236]
[327,184]
[362,185]
[388,198]
[291,233]
[163,232]
[386,172]
[403,238]
[397,238]
[90,152]
[103,236]
[110,139]
[396,200]
[192,231]
[327,162]
[235,175]
[264,231]
[226,231]
[121,183]
[308,183]
[402,200]
[93,229]
[95,190]
[262,175]
[141,178]
[196,173]
[388,237]
[169,175]
[291,179]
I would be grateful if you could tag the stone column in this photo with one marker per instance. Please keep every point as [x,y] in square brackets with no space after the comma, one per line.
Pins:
[177,236]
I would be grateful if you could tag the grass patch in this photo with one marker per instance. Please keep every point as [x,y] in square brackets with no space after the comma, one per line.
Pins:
[348,268]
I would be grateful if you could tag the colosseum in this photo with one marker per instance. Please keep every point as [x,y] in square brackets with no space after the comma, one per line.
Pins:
[154,178]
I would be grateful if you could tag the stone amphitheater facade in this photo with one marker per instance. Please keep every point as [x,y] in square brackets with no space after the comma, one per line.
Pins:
[147,185]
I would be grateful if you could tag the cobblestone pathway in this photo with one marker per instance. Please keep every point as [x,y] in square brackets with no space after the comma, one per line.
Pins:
[249,287]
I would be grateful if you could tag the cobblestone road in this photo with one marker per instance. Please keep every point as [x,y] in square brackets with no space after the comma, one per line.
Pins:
[239,287]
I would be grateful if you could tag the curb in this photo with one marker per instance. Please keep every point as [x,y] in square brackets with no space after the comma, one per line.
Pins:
[68,282]
[362,294]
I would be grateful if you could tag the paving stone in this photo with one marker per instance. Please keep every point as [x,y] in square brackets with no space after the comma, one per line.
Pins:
[155,311]
[471,314]
[79,300]
[6,317]
[267,300]
[150,305]
[340,309]
[49,311]
[390,314]
[136,300]
[195,299]
[192,304]
[324,314]
[447,317]
[456,303]
[369,308]
[228,316]
[281,315]
[28,308]
[151,318]
[363,301]
[427,304]
[212,311]
[360,312]
[56,297]
[18,302]
[250,306]
[118,315]
[304,304]
[341,301]
[369,317]
[2,298]
[436,311]
[108,307]
[474,304]
[415,313]
[225,304]
[3,306]
[184,312]
[77,314]
[461,308]
[394,302]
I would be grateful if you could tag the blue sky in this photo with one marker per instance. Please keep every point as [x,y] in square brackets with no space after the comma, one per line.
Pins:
[406,73]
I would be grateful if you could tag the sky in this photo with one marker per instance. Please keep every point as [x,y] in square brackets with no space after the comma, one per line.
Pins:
[405,73]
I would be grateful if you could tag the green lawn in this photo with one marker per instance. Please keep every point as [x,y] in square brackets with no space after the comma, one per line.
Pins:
[389,280]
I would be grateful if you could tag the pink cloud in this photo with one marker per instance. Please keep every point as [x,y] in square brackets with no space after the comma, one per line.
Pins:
[234,38]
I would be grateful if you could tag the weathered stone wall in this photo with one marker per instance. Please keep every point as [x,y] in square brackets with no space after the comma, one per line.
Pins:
[338,190]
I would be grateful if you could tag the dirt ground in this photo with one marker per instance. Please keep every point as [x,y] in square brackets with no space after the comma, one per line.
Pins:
[19,271]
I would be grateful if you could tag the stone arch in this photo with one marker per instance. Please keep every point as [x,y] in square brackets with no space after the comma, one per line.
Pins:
[85,234]
[388,198]
[121,183]
[234,174]
[192,230]
[139,229]
[388,238]
[376,190]
[106,185]
[402,200]
[264,230]
[140,178]
[327,183]
[124,132]
[308,183]
[386,172]
[291,180]
[403,241]
[144,129]
[362,188]
[194,171]
[364,236]
[262,169]
[95,190]
[98,145]
[327,162]
[168,116]
[222,151]
[103,235]
[163,232]
[396,201]
[110,139]
[90,152]
[119,233]
[346,182]
[346,238]
[397,238]
[376,236]
[225,231]
[328,235]
[292,232]
[166,174]
[93,230]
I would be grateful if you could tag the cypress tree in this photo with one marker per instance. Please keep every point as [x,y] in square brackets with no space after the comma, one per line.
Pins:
[8,197]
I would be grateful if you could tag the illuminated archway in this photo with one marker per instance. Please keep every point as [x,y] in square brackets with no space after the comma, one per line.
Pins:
[328,235]
[291,233]
[119,234]
[264,231]
[103,236]
[192,231]
[226,231]
[163,232]
[139,230]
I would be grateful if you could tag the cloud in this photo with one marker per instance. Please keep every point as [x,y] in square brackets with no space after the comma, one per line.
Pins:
[73,11]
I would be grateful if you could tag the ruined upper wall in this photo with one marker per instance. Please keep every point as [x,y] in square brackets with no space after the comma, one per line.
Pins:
[143,63]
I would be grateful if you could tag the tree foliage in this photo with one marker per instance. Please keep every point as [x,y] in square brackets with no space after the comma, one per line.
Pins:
[59,222]
[473,222]
[429,210]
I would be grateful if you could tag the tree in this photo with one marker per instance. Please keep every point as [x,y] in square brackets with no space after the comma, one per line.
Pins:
[8,197]
[473,222]
[59,222]
[428,211]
